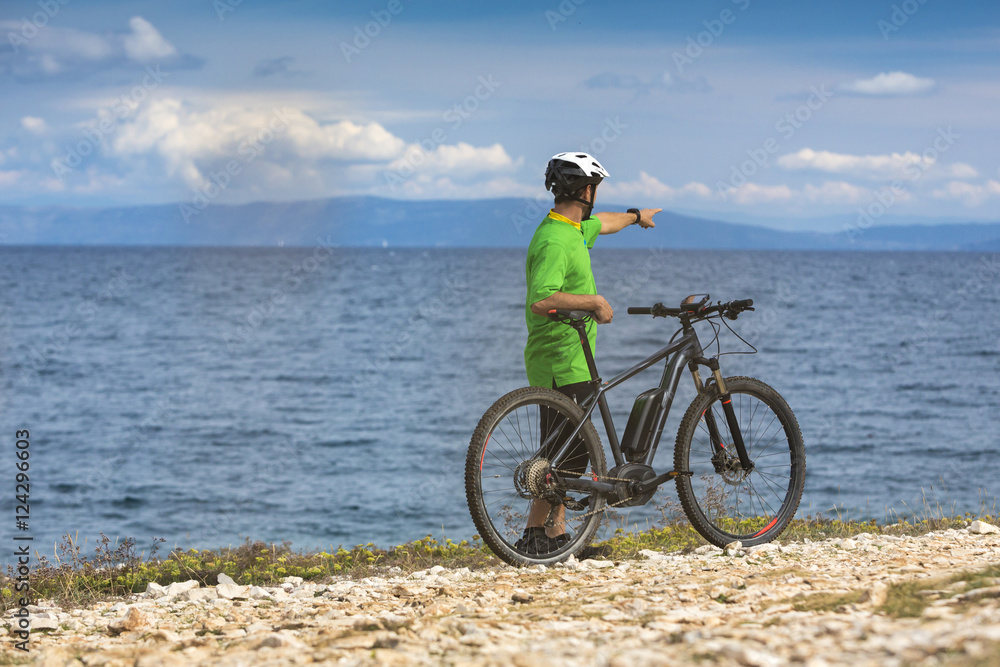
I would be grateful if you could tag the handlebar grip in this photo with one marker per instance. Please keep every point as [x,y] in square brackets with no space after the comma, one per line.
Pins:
[639,310]
[741,303]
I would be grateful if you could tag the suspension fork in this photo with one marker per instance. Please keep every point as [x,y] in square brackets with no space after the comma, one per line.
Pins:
[725,398]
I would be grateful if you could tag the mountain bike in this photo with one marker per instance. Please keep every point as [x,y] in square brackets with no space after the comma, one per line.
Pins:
[739,461]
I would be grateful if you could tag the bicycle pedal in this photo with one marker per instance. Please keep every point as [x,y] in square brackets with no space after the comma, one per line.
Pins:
[574,505]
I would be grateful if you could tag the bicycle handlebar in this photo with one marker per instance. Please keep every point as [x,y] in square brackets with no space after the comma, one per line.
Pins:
[730,309]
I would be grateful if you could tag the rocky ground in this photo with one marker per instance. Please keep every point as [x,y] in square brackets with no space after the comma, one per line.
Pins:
[821,603]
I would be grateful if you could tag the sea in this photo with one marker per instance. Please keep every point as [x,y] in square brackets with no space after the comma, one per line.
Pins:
[326,396]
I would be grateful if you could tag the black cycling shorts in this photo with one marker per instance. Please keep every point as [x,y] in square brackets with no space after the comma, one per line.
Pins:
[576,458]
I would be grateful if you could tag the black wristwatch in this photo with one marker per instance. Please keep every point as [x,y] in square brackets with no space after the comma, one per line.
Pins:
[638,216]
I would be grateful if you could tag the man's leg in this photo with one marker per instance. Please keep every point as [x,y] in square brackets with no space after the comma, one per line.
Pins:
[576,461]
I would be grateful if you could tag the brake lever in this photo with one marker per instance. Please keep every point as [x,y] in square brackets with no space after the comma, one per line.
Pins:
[733,314]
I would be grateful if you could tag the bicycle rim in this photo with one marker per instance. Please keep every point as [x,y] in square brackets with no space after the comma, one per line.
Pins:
[504,449]
[731,505]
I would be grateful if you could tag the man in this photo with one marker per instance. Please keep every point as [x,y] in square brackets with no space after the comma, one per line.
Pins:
[558,275]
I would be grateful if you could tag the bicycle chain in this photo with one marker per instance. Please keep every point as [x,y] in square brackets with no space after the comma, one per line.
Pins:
[607,506]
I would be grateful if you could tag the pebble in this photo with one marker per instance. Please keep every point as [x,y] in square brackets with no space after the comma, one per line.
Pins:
[657,609]
[982,528]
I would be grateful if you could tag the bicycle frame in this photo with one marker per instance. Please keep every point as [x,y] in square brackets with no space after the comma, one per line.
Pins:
[686,352]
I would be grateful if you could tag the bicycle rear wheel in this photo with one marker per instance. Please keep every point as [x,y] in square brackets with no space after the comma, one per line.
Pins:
[504,466]
[724,503]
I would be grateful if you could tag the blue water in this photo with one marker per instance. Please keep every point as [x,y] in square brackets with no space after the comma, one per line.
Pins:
[208,395]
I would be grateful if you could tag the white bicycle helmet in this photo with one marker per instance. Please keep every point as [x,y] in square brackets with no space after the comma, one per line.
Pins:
[566,173]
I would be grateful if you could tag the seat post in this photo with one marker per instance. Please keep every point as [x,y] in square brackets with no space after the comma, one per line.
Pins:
[581,329]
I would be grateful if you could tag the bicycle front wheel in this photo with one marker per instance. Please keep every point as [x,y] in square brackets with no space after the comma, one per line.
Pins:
[505,467]
[723,502]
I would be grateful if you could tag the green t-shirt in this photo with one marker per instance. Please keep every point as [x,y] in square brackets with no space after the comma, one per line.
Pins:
[558,261]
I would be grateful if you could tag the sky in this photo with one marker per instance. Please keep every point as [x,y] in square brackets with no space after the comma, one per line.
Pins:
[736,109]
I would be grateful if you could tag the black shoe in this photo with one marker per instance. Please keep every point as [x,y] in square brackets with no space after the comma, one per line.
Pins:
[534,542]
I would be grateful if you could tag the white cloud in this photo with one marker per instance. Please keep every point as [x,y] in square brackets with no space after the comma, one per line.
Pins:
[455,160]
[961,170]
[286,153]
[895,165]
[889,84]
[836,192]
[57,51]
[344,140]
[752,193]
[145,43]
[62,42]
[8,178]
[98,181]
[34,125]
[192,141]
[968,194]
[651,187]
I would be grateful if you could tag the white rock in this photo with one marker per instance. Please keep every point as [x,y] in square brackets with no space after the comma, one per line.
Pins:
[224,578]
[259,593]
[707,549]
[197,594]
[233,591]
[876,594]
[179,587]
[982,528]
[733,547]
[39,623]
[437,569]
[591,564]
[154,590]
[134,619]
[570,563]
[294,581]
[649,554]
[165,636]
[280,640]
[767,547]
[848,544]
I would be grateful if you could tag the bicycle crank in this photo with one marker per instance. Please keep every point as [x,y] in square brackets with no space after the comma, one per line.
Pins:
[627,478]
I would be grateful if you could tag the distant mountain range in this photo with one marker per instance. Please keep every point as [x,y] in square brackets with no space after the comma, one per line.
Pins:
[372,221]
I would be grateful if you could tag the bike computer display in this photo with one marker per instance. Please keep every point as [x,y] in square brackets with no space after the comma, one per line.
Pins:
[695,302]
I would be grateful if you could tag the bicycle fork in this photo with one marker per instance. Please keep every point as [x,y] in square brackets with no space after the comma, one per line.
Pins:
[718,446]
